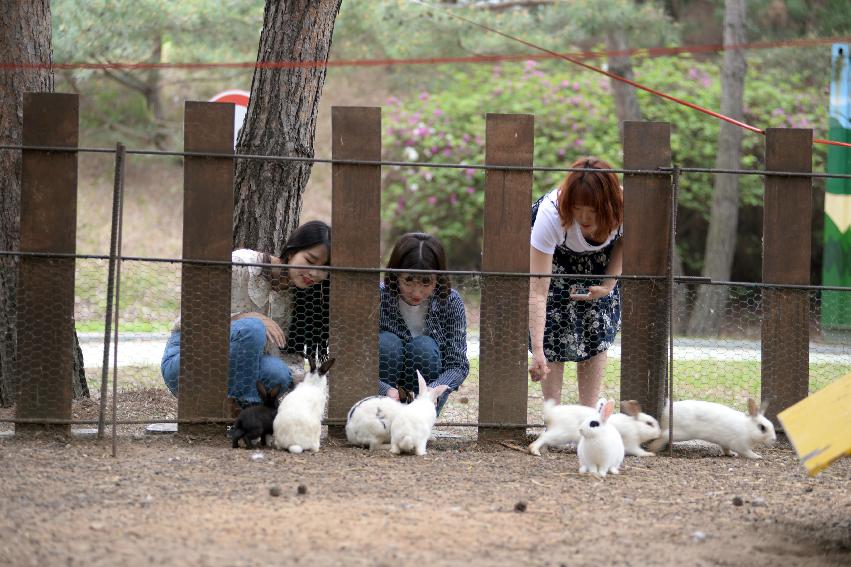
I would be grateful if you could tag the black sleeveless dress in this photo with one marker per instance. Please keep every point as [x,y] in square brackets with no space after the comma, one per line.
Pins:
[578,330]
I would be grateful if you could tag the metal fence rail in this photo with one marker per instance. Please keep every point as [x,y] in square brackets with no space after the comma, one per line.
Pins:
[497,397]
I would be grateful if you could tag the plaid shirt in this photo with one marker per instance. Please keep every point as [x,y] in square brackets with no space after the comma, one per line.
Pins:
[446,323]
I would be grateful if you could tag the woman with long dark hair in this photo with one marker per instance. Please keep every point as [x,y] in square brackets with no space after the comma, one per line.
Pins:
[269,309]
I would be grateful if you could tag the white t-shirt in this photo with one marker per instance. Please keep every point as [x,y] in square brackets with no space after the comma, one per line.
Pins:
[548,232]
[414,316]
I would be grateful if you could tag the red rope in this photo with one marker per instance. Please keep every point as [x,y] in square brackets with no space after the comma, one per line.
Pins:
[637,85]
[633,52]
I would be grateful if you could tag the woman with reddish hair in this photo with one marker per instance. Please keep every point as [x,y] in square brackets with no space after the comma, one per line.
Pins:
[577,228]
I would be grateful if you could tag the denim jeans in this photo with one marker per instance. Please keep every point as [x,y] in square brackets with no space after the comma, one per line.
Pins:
[398,362]
[248,363]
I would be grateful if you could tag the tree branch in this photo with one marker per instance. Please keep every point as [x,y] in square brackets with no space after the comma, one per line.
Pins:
[126,79]
[508,4]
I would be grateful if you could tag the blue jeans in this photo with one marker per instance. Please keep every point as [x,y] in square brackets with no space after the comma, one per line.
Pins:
[248,363]
[398,362]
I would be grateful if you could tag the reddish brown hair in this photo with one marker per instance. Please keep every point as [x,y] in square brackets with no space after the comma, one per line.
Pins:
[596,189]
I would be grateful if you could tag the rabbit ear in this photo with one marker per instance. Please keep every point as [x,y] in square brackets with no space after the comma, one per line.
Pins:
[312,362]
[630,407]
[600,403]
[261,389]
[273,393]
[763,406]
[608,409]
[404,395]
[753,410]
[422,384]
[438,391]
[326,366]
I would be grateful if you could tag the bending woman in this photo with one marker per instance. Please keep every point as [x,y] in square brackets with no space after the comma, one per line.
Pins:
[577,228]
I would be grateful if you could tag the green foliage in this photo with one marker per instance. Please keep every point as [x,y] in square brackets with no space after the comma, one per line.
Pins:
[574,116]
[135,102]
[402,29]
[129,30]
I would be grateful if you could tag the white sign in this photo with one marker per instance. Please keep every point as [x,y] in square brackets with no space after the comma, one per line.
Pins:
[240,100]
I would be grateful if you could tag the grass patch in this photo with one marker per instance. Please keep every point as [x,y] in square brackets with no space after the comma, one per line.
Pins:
[724,382]
[129,378]
[93,326]
[149,302]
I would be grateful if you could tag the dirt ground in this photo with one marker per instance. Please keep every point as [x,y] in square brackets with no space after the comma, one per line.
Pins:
[192,500]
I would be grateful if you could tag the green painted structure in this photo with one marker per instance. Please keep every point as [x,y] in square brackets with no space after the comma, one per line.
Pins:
[836,305]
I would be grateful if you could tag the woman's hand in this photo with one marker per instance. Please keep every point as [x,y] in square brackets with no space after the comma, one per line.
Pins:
[539,367]
[594,292]
[274,334]
[393,394]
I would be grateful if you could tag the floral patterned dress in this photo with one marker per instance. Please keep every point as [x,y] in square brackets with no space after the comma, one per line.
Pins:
[578,330]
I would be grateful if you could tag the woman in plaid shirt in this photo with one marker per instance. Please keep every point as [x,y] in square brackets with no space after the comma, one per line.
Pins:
[422,321]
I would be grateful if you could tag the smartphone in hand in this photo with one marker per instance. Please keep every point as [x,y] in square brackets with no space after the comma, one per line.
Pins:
[579,292]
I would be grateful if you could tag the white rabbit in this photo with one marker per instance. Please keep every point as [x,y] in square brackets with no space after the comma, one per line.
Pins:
[298,424]
[412,426]
[369,420]
[600,447]
[716,423]
[635,428]
[562,423]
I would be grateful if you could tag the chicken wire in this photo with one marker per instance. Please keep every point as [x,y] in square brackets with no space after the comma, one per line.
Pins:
[726,368]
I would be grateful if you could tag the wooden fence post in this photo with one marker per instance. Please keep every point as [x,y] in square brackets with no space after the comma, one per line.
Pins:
[356,225]
[205,290]
[45,312]
[786,260]
[647,222]
[503,366]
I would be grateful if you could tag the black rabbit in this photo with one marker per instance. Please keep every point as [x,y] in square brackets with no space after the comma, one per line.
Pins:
[256,421]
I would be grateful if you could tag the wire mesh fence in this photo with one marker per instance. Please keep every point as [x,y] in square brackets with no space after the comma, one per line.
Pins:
[185,351]
[726,368]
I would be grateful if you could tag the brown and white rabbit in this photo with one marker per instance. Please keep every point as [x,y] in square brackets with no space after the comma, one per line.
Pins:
[735,431]
[635,428]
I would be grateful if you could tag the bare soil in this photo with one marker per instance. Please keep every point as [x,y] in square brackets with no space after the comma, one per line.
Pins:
[192,500]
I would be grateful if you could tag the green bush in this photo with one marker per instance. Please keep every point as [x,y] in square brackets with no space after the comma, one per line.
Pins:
[574,116]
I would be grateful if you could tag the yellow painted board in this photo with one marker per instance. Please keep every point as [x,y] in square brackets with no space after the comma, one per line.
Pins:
[819,426]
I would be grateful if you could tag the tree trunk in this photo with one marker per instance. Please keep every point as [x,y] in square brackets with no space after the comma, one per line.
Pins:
[627,108]
[711,301]
[626,102]
[281,120]
[25,35]
[153,94]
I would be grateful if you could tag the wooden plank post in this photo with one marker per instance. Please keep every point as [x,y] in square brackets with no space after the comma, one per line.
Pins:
[356,222]
[786,239]
[45,312]
[647,222]
[205,290]
[503,366]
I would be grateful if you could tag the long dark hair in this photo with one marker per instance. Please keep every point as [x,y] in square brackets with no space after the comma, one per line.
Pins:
[307,235]
[418,251]
[310,324]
